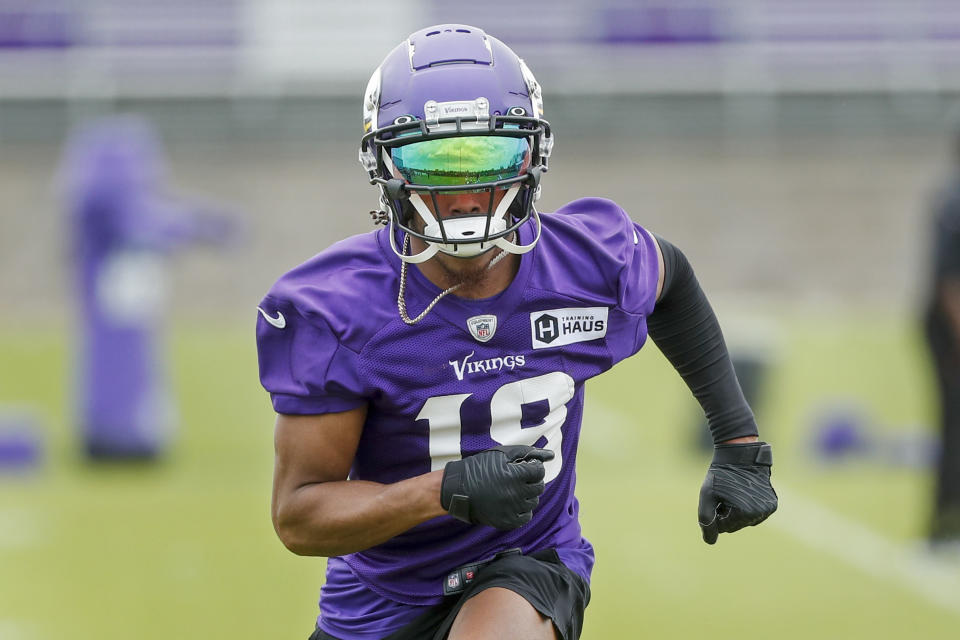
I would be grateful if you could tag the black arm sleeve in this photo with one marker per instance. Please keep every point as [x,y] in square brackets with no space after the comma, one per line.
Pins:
[685,329]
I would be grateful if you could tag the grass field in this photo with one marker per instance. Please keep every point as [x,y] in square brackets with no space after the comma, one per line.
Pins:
[185,549]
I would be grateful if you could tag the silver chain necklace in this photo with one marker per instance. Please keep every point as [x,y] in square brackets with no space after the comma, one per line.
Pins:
[402,306]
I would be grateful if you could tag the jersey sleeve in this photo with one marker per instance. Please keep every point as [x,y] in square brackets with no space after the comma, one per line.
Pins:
[637,286]
[605,251]
[303,364]
[636,290]
[614,252]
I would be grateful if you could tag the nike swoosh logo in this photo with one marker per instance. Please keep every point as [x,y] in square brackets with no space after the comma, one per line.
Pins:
[279,322]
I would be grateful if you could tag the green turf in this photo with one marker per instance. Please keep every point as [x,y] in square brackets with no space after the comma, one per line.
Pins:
[186,550]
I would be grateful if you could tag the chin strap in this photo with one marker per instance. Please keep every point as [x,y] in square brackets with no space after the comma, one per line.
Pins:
[423,256]
[518,249]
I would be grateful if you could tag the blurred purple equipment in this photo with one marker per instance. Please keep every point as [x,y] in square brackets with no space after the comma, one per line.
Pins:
[841,433]
[21,442]
[124,226]
[846,433]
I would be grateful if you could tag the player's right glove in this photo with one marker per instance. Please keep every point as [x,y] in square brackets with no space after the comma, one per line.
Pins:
[736,492]
[498,487]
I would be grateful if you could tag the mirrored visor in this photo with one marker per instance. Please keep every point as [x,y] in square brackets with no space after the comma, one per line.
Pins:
[460,161]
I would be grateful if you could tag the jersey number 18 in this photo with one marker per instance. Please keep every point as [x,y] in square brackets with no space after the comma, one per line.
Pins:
[443,415]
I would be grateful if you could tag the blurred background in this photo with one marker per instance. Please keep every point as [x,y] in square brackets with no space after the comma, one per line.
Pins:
[791,148]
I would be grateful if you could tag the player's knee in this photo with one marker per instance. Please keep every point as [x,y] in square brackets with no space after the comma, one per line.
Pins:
[500,614]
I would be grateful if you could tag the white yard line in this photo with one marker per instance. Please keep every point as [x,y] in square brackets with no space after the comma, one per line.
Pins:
[21,528]
[907,566]
[15,630]
[904,565]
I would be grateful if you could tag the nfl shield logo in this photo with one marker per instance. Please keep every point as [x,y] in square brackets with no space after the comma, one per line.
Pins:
[453,581]
[482,328]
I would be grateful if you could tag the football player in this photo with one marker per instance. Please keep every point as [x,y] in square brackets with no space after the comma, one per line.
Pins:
[429,376]
[942,330]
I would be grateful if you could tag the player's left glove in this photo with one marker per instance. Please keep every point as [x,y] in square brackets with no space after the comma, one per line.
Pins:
[736,492]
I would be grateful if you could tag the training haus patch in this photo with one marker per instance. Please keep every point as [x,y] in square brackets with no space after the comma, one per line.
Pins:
[557,327]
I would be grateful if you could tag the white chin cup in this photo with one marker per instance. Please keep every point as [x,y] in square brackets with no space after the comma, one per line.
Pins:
[465,228]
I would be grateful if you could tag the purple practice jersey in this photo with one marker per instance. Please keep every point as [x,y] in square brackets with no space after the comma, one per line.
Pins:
[471,375]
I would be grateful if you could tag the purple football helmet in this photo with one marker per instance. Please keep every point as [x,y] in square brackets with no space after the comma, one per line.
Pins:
[453,110]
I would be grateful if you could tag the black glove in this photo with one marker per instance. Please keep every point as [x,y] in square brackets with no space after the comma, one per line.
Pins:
[736,492]
[498,487]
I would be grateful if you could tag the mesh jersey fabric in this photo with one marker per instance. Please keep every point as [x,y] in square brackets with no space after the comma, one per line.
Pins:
[577,305]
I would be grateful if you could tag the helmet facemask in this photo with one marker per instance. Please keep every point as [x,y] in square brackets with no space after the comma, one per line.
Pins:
[418,162]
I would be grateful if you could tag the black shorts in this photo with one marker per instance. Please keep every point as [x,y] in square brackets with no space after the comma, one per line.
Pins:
[541,578]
